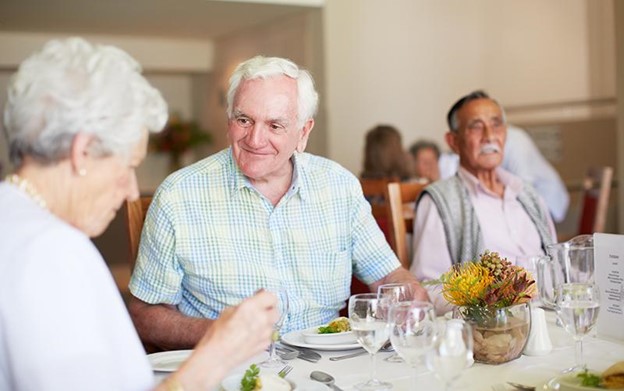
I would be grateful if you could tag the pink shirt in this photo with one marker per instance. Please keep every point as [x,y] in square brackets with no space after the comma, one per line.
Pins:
[505,225]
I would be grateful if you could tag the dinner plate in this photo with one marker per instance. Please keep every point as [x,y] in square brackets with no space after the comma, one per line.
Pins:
[295,338]
[232,383]
[569,382]
[313,337]
[168,361]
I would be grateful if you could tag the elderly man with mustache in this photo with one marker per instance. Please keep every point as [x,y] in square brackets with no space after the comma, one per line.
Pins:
[482,206]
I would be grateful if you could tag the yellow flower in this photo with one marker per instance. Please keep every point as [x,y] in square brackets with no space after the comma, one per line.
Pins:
[466,284]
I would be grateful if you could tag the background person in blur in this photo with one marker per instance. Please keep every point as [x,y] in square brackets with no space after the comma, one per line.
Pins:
[261,213]
[425,156]
[77,119]
[483,206]
[384,156]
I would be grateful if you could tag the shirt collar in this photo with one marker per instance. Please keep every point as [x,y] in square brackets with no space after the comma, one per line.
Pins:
[240,181]
[513,184]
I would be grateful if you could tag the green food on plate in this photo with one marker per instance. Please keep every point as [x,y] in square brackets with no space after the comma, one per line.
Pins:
[338,325]
[590,379]
[250,378]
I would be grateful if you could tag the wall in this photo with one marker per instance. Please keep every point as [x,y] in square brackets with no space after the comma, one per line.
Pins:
[405,64]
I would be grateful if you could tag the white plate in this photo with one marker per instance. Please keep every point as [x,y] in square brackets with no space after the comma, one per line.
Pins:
[233,383]
[295,338]
[567,382]
[313,337]
[168,361]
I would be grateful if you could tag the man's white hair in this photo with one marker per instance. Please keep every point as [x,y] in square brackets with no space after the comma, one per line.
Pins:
[260,67]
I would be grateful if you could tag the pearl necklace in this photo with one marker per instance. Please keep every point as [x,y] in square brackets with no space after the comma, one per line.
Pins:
[25,186]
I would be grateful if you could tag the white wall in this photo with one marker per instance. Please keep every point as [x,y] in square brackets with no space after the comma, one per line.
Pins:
[404,62]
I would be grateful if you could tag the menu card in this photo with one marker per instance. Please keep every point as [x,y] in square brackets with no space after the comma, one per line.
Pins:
[609,275]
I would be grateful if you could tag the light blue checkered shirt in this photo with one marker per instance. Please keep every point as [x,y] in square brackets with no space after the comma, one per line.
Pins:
[210,239]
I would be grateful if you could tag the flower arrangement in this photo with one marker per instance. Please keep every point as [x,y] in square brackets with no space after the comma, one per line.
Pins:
[492,294]
[179,137]
[491,282]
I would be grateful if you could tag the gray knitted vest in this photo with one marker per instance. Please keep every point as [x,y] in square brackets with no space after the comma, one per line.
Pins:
[461,226]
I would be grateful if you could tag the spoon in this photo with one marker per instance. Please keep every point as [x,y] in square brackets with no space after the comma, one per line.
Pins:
[326,379]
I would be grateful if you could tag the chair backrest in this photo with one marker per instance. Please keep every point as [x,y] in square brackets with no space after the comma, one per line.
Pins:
[135,217]
[375,192]
[401,198]
[596,188]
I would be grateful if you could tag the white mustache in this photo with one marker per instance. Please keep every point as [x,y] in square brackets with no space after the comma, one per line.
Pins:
[490,148]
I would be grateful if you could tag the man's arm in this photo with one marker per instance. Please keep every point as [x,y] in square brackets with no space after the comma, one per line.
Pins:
[402,275]
[164,327]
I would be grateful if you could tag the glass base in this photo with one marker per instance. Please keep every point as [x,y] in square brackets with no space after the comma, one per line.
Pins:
[273,362]
[395,358]
[373,385]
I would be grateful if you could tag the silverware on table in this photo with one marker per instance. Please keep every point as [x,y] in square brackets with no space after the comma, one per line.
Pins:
[285,371]
[302,353]
[386,348]
[521,387]
[326,379]
[286,352]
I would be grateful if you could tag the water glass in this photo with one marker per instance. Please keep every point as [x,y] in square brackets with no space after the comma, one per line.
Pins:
[390,294]
[412,330]
[274,361]
[451,351]
[577,306]
[369,324]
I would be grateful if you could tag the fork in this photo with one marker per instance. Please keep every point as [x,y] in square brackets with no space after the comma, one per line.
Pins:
[285,371]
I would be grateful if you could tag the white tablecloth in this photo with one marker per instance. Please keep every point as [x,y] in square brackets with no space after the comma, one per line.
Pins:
[530,370]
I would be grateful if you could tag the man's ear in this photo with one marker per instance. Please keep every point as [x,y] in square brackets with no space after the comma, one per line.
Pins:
[451,141]
[305,134]
[79,152]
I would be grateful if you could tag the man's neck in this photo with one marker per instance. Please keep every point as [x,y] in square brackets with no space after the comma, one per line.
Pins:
[274,187]
[489,179]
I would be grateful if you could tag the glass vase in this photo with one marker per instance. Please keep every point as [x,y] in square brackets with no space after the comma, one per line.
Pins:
[500,334]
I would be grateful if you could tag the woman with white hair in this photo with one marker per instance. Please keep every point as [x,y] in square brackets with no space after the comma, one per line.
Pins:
[77,120]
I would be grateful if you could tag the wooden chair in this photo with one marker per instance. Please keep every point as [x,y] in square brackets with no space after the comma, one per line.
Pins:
[375,192]
[401,198]
[135,217]
[596,187]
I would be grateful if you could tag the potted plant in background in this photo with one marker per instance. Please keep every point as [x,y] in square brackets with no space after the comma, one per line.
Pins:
[179,138]
[493,295]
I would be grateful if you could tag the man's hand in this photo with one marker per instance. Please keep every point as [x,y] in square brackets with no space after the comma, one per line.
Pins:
[402,275]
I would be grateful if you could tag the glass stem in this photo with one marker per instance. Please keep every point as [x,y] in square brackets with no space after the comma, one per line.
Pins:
[272,351]
[372,367]
[578,350]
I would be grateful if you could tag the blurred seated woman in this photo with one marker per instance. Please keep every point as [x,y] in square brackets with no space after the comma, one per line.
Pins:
[425,155]
[384,156]
[77,119]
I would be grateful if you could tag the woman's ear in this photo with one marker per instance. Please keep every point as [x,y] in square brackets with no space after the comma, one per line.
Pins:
[79,153]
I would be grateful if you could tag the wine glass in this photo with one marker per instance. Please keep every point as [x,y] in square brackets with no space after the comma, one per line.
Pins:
[370,326]
[390,294]
[274,361]
[452,348]
[577,305]
[412,330]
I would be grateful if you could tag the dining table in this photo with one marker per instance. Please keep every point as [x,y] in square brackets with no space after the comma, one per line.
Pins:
[535,371]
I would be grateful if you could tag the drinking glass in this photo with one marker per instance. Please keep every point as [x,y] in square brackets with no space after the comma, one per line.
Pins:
[577,306]
[390,294]
[412,330]
[452,348]
[369,324]
[274,361]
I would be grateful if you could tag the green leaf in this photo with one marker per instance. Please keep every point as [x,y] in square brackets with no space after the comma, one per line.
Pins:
[248,382]
[589,379]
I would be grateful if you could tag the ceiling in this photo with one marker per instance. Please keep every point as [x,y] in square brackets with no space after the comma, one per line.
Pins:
[190,19]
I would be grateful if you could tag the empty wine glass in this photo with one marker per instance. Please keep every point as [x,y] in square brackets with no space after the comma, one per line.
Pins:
[274,361]
[370,326]
[451,350]
[390,294]
[412,330]
[577,306]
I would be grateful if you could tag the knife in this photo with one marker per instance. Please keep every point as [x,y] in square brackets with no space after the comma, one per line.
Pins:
[304,354]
